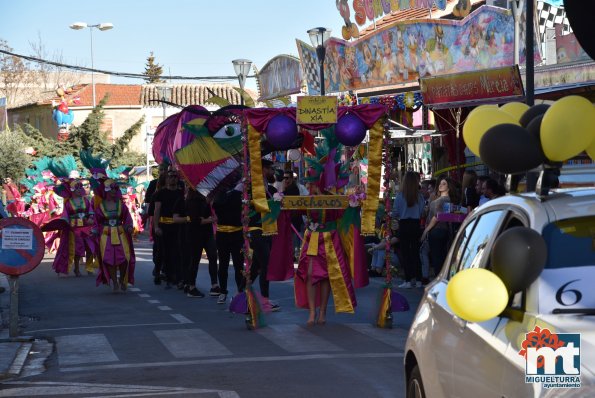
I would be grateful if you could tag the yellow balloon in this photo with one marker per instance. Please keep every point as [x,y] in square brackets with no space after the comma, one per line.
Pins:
[567,128]
[591,150]
[515,109]
[479,121]
[476,295]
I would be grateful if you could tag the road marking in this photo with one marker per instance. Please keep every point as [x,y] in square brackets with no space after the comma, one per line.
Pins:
[213,361]
[144,295]
[294,338]
[191,343]
[138,258]
[392,337]
[48,388]
[154,301]
[103,327]
[84,348]
[134,289]
[181,318]
[164,308]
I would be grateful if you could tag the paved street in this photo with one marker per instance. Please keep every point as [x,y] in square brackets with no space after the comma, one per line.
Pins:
[155,342]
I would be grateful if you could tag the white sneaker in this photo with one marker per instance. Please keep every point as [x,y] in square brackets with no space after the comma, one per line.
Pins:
[222,298]
[405,285]
[418,284]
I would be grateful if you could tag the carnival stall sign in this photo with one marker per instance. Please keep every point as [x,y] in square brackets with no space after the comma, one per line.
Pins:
[409,50]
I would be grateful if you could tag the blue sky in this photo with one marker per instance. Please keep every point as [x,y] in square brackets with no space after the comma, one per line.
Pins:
[188,37]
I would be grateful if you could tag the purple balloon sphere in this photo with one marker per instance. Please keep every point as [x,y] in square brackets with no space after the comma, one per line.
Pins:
[281,132]
[350,130]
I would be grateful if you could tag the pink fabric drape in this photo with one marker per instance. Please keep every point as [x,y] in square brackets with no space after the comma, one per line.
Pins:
[369,114]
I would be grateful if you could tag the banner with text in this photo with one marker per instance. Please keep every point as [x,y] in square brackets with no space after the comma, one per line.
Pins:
[483,86]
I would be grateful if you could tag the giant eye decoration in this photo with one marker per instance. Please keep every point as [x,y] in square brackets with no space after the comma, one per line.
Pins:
[228,131]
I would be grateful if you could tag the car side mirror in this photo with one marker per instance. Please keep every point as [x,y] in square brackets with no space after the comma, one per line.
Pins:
[518,257]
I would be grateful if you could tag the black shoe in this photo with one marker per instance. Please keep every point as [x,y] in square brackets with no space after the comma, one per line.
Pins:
[167,285]
[275,307]
[194,292]
[157,280]
[215,291]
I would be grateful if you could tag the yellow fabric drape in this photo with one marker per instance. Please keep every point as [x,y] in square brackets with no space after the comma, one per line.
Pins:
[349,247]
[338,287]
[259,197]
[370,204]
[313,244]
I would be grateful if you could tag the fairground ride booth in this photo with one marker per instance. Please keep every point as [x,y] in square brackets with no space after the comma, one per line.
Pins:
[385,63]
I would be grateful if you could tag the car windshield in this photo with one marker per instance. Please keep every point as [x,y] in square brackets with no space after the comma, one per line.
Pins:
[570,242]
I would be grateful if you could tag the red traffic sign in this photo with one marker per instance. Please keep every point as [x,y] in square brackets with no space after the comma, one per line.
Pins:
[21,246]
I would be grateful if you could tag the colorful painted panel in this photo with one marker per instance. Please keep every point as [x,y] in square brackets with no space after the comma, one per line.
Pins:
[408,50]
[280,76]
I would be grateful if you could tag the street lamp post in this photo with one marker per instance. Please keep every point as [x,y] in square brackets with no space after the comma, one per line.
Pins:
[101,26]
[319,37]
[242,68]
[164,96]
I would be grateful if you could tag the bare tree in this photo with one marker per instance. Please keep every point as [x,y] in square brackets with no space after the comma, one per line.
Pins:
[50,77]
[15,77]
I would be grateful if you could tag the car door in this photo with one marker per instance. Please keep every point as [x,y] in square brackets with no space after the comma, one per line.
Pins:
[442,334]
[476,355]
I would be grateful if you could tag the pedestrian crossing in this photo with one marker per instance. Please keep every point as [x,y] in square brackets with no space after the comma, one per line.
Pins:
[194,343]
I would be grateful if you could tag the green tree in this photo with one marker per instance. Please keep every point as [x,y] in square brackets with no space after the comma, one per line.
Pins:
[87,135]
[153,71]
[13,159]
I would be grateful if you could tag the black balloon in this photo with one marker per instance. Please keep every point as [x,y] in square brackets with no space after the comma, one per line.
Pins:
[518,257]
[534,128]
[580,15]
[510,149]
[532,113]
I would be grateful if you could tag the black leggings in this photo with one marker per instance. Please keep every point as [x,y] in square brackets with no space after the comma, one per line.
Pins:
[169,249]
[229,245]
[261,247]
[409,235]
[438,240]
[192,255]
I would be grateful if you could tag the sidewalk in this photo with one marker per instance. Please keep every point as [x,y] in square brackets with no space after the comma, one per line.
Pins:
[13,352]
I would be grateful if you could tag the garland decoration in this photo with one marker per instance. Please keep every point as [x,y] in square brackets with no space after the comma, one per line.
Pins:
[410,101]
[384,318]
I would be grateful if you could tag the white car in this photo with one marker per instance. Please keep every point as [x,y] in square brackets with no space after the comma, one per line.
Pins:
[446,356]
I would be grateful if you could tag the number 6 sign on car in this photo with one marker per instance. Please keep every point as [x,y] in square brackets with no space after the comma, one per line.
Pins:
[566,288]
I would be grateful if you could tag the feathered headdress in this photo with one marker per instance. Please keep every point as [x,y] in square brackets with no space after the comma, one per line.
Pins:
[327,169]
[96,165]
[65,169]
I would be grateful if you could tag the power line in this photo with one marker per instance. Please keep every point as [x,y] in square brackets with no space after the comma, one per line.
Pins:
[120,74]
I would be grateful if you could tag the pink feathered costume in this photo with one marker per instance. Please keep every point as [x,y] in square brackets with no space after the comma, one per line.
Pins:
[115,242]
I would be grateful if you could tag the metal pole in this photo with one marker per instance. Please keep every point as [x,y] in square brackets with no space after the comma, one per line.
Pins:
[529,60]
[321,53]
[92,67]
[148,148]
[13,281]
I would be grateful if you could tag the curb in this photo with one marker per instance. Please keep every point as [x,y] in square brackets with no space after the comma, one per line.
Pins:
[19,359]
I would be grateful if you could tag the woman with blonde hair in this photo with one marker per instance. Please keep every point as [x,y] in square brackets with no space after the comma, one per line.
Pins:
[407,209]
